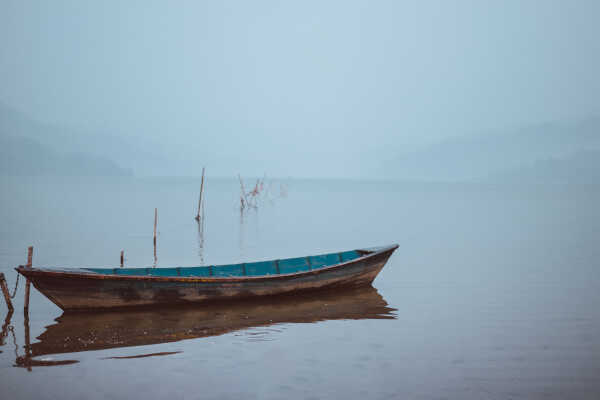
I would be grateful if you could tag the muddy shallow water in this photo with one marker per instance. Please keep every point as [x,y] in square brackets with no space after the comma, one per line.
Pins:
[493,293]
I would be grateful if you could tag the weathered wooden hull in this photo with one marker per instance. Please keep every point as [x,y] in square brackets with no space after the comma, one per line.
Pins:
[76,291]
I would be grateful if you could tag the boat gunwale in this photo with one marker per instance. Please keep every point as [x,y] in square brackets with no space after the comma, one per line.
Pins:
[37,272]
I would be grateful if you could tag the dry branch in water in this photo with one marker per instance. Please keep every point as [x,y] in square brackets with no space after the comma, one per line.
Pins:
[244,197]
[260,190]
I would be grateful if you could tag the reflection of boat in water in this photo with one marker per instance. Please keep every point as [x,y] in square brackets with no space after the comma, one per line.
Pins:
[75,332]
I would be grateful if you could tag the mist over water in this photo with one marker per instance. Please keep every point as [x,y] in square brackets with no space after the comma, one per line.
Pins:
[467,132]
[337,90]
[493,291]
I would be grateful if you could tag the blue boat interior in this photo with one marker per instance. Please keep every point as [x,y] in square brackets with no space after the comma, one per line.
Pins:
[260,268]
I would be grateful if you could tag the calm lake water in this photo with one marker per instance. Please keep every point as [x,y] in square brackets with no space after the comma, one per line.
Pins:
[494,292]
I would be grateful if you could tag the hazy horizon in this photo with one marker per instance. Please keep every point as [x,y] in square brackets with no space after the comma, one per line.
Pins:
[336,90]
[567,151]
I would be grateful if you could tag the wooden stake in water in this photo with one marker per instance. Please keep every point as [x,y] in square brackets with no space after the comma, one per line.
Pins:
[29,256]
[27,346]
[155,223]
[28,284]
[122,257]
[198,216]
[5,292]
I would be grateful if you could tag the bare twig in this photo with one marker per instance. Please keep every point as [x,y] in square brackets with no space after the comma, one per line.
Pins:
[243,198]
[200,206]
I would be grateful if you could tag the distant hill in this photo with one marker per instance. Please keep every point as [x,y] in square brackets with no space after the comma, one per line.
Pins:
[581,167]
[28,147]
[26,157]
[481,156]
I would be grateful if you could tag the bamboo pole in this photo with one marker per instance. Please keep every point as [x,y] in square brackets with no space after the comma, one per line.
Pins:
[198,216]
[27,346]
[5,292]
[201,241]
[155,223]
[28,283]
[29,256]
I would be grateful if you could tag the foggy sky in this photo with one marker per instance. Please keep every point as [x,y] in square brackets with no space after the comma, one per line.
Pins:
[307,88]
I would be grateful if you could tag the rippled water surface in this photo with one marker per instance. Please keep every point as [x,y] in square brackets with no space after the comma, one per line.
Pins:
[494,292]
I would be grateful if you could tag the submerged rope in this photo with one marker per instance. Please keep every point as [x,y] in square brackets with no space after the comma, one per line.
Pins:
[12,296]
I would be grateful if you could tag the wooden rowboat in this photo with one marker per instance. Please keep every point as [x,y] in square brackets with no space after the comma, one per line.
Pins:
[101,288]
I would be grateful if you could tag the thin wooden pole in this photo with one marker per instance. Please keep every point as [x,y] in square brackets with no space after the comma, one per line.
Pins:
[200,199]
[6,292]
[27,342]
[155,223]
[28,283]
[201,241]
[5,326]
[122,257]
[29,256]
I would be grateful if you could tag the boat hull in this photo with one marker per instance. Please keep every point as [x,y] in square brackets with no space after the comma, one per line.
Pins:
[72,291]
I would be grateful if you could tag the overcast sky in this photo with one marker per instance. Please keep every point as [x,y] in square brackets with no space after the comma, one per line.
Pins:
[299,88]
